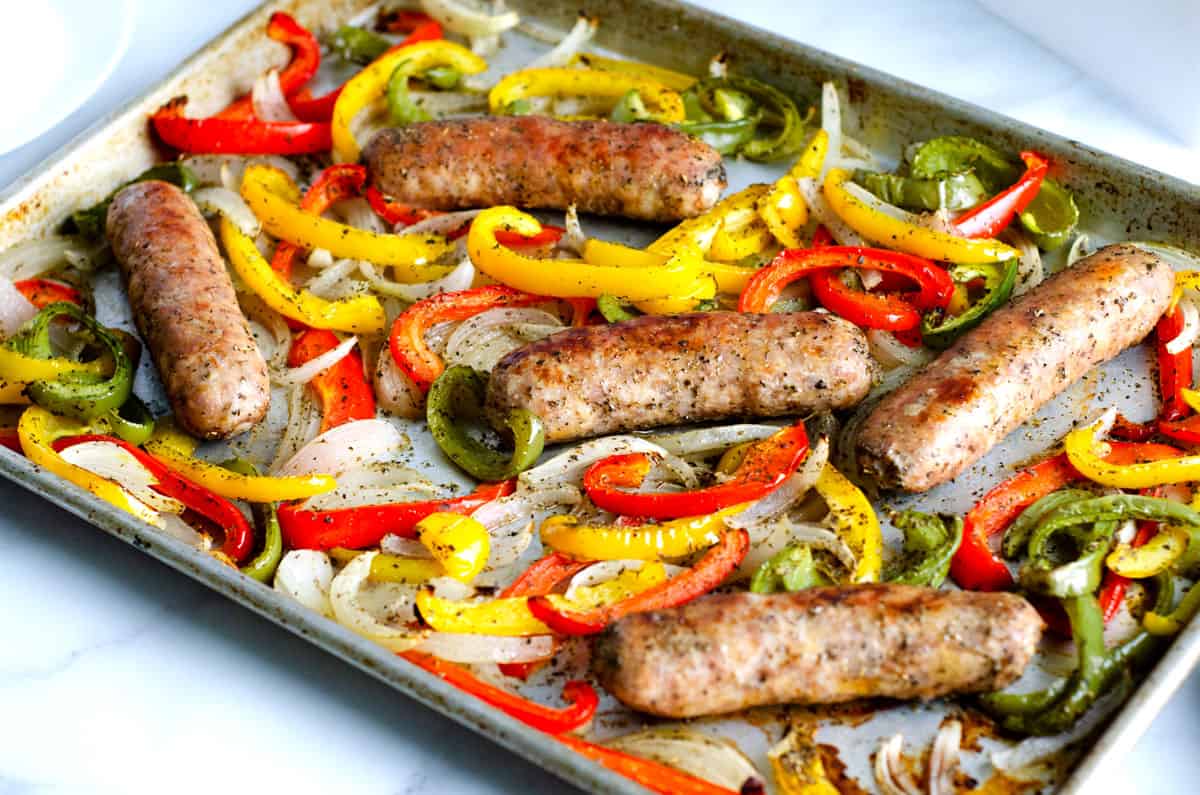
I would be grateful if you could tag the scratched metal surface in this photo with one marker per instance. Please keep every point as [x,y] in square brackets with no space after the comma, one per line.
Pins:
[1118,200]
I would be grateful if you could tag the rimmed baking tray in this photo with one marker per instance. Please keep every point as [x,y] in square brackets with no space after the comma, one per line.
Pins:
[1118,200]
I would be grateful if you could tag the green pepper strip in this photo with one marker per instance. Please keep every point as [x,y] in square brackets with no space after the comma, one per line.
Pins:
[1016,538]
[952,154]
[358,45]
[78,395]
[612,310]
[1159,622]
[1051,217]
[1076,577]
[956,191]
[629,108]
[792,569]
[727,137]
[90,222]
[942,335]
[132,421]
[713,96]
[460,390]
[1112,508]
[262,567]
[929,545]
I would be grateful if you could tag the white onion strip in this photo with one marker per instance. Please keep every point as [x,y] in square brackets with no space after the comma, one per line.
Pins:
[892,353]
[459,17]
[349,446]
[1191,326]
[458,279]
[824,214]
[783,497]
[944,758]
[35,257]
[442,224]
[1030,271]
[268,99]
[15,309]
[317,365]
[568,467]
[705,441]
[890,773]
[582,32]
[231,205]
[831,123]
[487,648]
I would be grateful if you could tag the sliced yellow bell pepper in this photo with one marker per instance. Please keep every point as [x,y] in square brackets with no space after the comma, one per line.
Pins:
[459,543]
[371,83]
[175,451]
[629,582]
[902,236]
[1171,623]
[676,81]
[1192,398]
[1086,453]
[784,209]
[274,198]
[662,103]
[38,429]
[568,278]
[676,538]
[704,290]
[405,571]
[731,243]
[18,368]
[507,616]
[854,521]
[601,252]
[362,314]
[1153,557]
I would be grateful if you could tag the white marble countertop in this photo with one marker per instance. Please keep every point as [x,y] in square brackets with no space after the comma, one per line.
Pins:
[119,675]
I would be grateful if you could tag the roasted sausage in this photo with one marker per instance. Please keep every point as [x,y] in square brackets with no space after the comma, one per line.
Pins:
[999,374]
[731,651]
[665,370]
[644,171]
[185,307]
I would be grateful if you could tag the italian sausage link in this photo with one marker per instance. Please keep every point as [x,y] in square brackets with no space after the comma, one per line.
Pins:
[186,309]
[999,374]
[644,171]
[665,370]
[727,652]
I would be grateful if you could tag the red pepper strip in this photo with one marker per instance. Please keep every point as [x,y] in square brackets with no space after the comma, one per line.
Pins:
[581,308]
[868,310]
[342,390]
[1174,369]
[306,59]
[9,439]
[991,217]
[910,337]
[541,578]
[821,237]
[238,136]
[766,466]
[651,775]
[366,525]
[710,571]
[582,697]
[975,566]
[405,21]
[935,288]
[43,292]
[393,212]
[239,537]
[505,237]
[407,340]
[335,183]
[1186,430]
[1129,431]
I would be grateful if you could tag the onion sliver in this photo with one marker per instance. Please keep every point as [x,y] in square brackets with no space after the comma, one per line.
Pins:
[583,31]
[229,204]
[824,214]
[441,224]
[944,758]
[706,441]
[317,365]
[15,309]
[458,279]
[305,575]
[378,611]
[395,391]
[487,648]
[783,497]
[349,446]
[892,353]
[831,123]
[569,467]
[686,749]
[268,99]
[207,168]
[1030,271]
[460,17]
[115,463]
[1191,326]
[891,775]
[35,257]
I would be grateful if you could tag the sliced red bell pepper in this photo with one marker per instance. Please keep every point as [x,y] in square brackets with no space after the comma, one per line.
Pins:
[343,390]
[766,466]
[239,537]
[1129,431]
[407,340]
[335,183]
[43,292]
[1185,430]
[1174,369]
[862,308]
[238,136]
[710,571]
[581,308]
[583,699]
[366,525]
[10,439]
[404,20]
[542,577]
[821,237]
[306,59]
[994,215]
[393,212]
[651,775]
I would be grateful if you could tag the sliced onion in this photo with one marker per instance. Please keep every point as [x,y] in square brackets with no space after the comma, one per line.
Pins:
[320,258]
[487,648]
[831,123]
[1078,250]
[378,611]
[327,282]
[608,570]
[450,588]
[113,462]
[686,749]
[229,204]
[569,467]
[458,279]
[582,32]
[824,214]
[460,17]
[358,214]
[277,341]
[15,309]
[890,772]
[317,365]
[706,441]
[718,65]
[207,168]
[174,526]
[879,205]
[892,353]
[783,497]
[303,423]
[944,758]
[268,99]
[481,341]
[509,520]
[1024,760]
[447,103]
[1191,326]
[573,238]
[395,391]
[350,446]
[404,547]
[1030,271]
[35,257]
[442,224]
[305,575]
[378,483]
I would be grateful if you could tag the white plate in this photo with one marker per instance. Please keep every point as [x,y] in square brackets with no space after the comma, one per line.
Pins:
[54,54]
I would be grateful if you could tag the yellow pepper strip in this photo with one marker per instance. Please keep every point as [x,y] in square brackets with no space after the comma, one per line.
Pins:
[1171,623]
[854,521]
[663,104]
[1192,398]
[1153,557]
[1086,453]
[629,582]
[18,368]
[567,278]
[676,538]
[274,198]
[405,571]
[784,209]
[704,290]
[676,81]
[508,616]
[371,83]
[731,244]
[460,544]
[169,448]
[38,429]
[362,314]
[601,252]
[902,236]
[13,393]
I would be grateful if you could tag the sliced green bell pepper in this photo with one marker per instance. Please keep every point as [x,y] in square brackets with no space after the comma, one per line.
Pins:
[941,332]
[90,222]
[929,544]
[956,191]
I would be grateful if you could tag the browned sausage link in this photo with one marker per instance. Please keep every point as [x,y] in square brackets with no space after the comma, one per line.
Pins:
[644,171]
[999,374]
[728,652]
[664,370]
[186,309]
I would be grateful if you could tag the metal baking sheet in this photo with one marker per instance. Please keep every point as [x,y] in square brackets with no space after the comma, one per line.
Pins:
[1118,200]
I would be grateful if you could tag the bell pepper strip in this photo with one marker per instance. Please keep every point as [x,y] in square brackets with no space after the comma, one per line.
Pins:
[994,215]
[614,311]
[1088,455]
[676,538]
[1016,537]
[332,185]
[459,543]
[362,314]
[791,569]
[581,310]
[1051,218]
[766,465]
[696,234]
[1174,369]
[906,237]
[132,422]
[306,107]
[862,308]
[942,332]
[1162,621]
[1161,547]
[735,97]
[662,104]
[720,561]
[542,577]
[10,438]
[343,390]
[19,368]
[90,222]
[462,389]
[43,292]
[275,200]
[954,191]
[407,340]
[853,519]
[501,617]
[653,776]
[1114,586]
[568,278]
[365,526]
[1129,431]
[929,544]
[239,537]
[250,136]
[676,81]
[371,83]
[358,45]
[736,243]
[263,565]
[1186,430]
[580,695]
[306,59]
[393,212]
[174,450]
[783,209]
[404,571]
